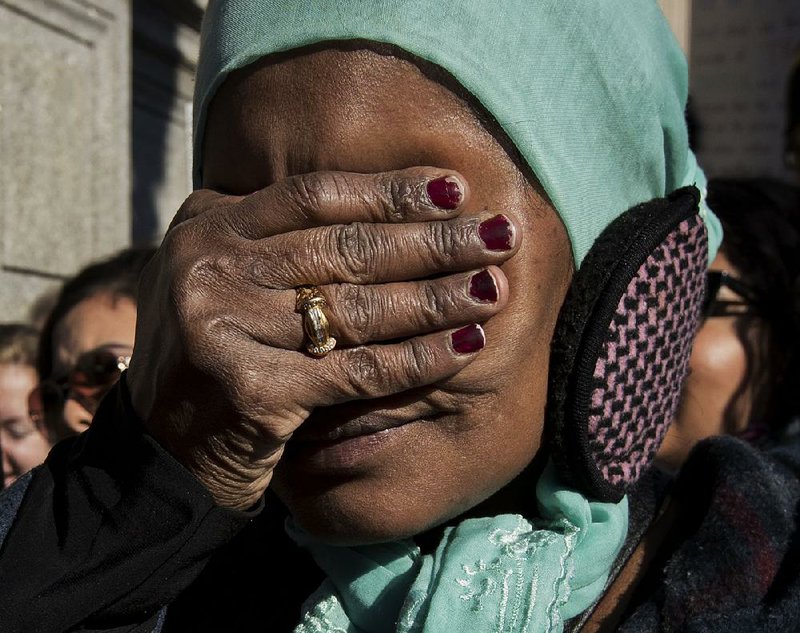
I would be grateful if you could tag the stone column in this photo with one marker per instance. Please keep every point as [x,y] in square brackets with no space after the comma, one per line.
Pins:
[64,141]
[165,43]
[679,16]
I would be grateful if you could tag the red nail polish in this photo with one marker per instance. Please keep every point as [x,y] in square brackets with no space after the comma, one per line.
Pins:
[445,192]
[468,339]
[497,233]
[483,286]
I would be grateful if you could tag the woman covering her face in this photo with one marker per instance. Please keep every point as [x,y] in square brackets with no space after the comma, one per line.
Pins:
[343,412]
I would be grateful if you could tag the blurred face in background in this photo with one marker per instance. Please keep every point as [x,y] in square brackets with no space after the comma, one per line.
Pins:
[21,445]
[91,345]
[718,395]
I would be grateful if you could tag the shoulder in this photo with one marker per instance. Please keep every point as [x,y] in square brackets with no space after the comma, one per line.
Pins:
[10,501]
[730,564]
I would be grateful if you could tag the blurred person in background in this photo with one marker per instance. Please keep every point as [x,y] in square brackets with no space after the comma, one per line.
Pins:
[745,366]
[42,307]
[86,342]
[21,445]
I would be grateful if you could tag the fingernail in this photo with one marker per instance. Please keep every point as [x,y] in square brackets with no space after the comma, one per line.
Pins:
[483,286]
[468,339]
[445,192]
[497,233]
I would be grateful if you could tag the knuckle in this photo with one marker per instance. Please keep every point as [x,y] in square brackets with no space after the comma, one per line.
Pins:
[194,282]
[310,191]
[371,374]
[192,206]
[184,241]
[356,247]
[179,266]
[266,269]
[358,314]
[367,375]
[417,359]
[202,334]
[436,303]
[178,241]
[446,241]
[209,270]
[293,265]
[404,197]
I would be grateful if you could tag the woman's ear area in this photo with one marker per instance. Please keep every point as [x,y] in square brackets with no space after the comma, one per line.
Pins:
[623,341]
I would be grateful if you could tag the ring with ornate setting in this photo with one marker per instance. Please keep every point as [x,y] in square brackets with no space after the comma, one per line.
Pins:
[310,303]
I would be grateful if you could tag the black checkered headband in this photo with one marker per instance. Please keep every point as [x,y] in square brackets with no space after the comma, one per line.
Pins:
[622,344]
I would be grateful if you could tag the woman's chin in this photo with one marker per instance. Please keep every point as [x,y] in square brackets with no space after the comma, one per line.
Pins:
[348,515]
[335,528]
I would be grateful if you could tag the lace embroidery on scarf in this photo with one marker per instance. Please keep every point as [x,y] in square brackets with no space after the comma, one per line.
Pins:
[510,575]
[317,620]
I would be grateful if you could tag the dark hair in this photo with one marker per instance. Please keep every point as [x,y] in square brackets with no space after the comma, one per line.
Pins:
[18,344]
[116,276]
[761,220]
[792,136]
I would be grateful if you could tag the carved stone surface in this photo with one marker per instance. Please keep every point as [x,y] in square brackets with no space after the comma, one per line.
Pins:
[64,141]
[165,43]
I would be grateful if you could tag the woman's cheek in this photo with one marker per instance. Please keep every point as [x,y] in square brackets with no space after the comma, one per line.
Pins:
[714,393]
[718,371]
[76,417]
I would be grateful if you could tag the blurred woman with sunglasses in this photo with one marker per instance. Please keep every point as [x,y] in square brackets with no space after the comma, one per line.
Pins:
[745,367]
[21,445]
[86,343]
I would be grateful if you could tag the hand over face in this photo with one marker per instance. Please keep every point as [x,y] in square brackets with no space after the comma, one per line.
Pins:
[219,373]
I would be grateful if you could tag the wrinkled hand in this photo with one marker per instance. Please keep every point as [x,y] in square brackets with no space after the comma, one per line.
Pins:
[219,373]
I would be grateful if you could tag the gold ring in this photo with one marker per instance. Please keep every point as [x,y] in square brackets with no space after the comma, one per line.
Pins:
[310,302]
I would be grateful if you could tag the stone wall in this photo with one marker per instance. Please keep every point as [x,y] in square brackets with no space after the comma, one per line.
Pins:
[64,141]
[741,55]
[95,133]
[165,43]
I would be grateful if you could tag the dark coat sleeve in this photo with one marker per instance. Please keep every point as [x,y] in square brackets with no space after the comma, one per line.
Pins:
[731,562]
[108,531]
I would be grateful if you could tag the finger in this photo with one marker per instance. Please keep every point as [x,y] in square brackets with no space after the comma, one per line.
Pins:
[365,254]
[364,372]
[326,198]
[374,371]
[364,314]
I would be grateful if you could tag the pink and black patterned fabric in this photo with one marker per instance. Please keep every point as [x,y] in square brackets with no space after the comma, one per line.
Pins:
[622,345]
[646,353]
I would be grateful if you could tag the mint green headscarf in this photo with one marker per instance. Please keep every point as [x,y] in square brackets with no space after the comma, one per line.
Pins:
[592,93]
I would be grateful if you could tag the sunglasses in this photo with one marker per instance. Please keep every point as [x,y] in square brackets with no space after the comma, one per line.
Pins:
[92,376]
[747,305]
